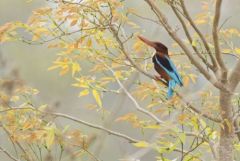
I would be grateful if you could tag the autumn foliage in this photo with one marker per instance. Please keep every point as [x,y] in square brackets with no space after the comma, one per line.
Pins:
[98,47]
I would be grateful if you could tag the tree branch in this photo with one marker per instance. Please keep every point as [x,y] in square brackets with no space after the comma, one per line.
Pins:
[138,107]
[8,154]
[115,34]
[190,38]
[216,40]
[188,17]
[190,106]
[131,140]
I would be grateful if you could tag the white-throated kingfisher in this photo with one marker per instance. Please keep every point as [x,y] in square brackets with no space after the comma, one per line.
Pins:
[164,66]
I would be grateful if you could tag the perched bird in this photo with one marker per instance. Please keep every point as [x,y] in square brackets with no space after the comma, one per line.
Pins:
[164,66]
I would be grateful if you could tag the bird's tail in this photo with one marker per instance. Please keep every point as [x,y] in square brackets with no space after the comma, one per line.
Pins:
[171,85]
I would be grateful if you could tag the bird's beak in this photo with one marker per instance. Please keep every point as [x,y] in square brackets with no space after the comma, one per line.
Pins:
[148,42]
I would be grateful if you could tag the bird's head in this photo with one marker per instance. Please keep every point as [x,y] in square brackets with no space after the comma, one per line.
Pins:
[159,47]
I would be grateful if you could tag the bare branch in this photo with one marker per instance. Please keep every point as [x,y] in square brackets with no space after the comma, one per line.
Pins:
[190,106]
[138,107]
[190,38]
[8,154]
[115,34]
[216,40]
[145,18]
[188,17]
[131,140]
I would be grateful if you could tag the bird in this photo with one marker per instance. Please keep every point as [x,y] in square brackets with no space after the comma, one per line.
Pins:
[164,66]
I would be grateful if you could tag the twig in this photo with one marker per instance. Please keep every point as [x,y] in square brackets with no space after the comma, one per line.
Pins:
[197,110]
[188,17]
[8,154]
[138,107]
[131,140]
[190,38]
[145,18]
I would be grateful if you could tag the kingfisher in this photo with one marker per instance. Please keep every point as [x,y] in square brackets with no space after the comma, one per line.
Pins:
[164,66]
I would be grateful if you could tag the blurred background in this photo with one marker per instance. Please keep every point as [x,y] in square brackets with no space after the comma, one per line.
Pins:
[32,63]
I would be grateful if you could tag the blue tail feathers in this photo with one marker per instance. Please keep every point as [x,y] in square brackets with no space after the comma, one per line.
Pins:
[171,85]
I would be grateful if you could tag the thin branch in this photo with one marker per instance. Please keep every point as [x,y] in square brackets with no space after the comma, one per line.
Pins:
[18,144]
[210,143]
[190,38]
[131,140]
[92,155]
[118,105]
[8,154]
[138,107]
[188,17]
[216,40]
[145,18]
[224,22]
[115,34]
[190,106]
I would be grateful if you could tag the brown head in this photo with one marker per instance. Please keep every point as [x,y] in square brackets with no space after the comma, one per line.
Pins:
[159,47]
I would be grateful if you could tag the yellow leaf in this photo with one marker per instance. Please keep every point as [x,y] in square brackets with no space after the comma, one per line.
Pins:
[118,74]
[141,144]
[15,98]
[75,68]
[152,126]
[129,116]
[182,118]
[194,43]
[138,46]
[34,91]
[186,81]
[42,107]
[64,70]
[89,43]
[74,22]
[226,50]
[153,104]
[200,21]
[53,67]
[205,6]
[27,125]
[237,50]
[193,77]
[133,25]
[97,97]
[49,140]
[229,125]
[84,93]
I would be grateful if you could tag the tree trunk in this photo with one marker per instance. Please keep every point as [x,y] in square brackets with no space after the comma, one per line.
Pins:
[227,130]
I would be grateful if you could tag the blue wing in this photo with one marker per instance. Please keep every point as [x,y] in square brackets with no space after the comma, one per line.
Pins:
[170,69]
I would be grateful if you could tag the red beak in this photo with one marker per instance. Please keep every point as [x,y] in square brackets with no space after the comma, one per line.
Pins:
[148,42]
